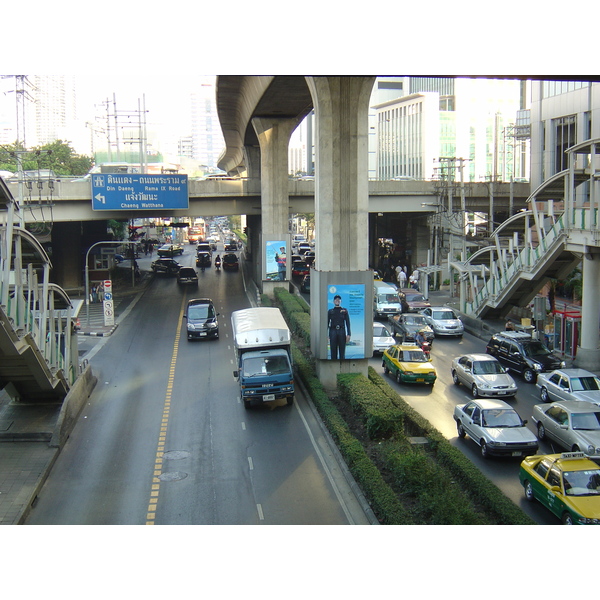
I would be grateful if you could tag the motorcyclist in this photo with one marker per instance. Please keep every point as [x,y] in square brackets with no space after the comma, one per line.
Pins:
[420,339]
[218,261]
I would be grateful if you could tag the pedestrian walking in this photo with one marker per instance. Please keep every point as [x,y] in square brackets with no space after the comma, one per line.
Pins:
[402,279]
[397,272]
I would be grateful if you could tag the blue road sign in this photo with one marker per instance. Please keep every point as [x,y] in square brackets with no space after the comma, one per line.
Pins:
[138,191]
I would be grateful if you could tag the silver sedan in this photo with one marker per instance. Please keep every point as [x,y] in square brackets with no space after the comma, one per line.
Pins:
[496,427]
[569,384]
[572,424]
[483,375]
[443,320]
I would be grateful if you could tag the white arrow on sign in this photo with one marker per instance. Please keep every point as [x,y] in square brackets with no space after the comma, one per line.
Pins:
[100,198]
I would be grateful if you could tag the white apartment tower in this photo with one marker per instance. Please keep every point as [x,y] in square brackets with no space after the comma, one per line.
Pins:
[52,112]
[207,139]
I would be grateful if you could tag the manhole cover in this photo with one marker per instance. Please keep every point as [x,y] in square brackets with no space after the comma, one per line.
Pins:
[172,476]
[176,455]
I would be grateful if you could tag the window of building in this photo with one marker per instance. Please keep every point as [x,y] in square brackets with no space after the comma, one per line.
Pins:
[565,136]
[554,88]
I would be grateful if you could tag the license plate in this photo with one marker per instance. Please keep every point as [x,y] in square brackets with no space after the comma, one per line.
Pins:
[517,453]
[420,380]
[268,397]
[202,333]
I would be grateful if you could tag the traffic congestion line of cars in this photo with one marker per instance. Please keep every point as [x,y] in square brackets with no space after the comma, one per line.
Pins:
[567,484]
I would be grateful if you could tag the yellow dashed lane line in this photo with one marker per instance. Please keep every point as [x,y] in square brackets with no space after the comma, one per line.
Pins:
[162,436]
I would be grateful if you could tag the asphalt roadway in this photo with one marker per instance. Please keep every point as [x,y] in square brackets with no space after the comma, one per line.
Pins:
[27,450]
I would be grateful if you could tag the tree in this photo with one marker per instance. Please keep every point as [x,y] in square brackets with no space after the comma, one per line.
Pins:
[118,228]
[57,155]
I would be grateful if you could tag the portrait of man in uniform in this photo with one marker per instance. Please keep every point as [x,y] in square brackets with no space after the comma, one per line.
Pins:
[338,327]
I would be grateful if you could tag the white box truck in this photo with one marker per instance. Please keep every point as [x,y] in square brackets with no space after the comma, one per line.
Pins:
[264,361]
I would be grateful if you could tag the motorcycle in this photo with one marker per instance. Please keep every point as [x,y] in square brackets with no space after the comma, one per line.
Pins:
[426,347]
[217,264]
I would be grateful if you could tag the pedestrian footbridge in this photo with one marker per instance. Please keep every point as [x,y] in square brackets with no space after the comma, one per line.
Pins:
[559,231]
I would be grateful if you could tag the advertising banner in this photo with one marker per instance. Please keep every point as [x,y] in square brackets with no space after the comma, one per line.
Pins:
[276,258]
[346,305]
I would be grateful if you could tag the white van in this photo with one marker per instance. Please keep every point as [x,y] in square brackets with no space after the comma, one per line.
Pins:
[386,301]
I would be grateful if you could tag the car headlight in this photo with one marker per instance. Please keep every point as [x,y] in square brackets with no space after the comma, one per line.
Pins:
[537,366]
[563,364]
[211,325]
[586,521]
[191,327]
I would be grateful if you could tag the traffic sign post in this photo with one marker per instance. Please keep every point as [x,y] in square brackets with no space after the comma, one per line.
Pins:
[107,305]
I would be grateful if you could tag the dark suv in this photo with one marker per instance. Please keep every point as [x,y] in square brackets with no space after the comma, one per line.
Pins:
[201,319]
[519,352]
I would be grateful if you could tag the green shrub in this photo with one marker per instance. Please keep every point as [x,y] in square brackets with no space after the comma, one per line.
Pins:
[440,486]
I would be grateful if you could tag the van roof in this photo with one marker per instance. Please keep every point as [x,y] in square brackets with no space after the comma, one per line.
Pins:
[382,284]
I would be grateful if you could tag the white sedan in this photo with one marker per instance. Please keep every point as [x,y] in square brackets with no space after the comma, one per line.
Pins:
[569,384]
[496,427]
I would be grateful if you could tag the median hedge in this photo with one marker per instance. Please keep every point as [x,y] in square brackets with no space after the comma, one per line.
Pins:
[404,482]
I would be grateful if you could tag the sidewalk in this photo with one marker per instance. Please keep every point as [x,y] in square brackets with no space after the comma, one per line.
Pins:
[26,456]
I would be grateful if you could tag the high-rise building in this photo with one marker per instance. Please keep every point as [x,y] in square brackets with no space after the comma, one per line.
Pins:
[426,120]
[561,116]
[207,139]
[53,109]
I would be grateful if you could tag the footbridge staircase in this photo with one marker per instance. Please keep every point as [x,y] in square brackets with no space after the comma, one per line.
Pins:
[38,350]
[546,241]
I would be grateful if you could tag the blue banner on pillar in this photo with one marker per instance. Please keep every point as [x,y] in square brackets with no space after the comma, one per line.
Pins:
[346,321]
[276,260]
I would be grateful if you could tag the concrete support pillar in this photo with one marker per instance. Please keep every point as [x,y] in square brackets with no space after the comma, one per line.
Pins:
[252,161]
[274,138]
[342,178]
[588,352]
[341,213]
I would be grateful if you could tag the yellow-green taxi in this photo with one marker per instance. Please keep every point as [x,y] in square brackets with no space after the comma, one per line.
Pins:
[408,364]
[567,484]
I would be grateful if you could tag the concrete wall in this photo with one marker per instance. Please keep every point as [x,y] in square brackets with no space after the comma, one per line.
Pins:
[72,405]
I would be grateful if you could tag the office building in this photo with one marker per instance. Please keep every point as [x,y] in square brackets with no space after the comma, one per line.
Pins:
[431,119]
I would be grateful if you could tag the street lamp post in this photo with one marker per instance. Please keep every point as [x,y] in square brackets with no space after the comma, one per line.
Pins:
[87,274]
